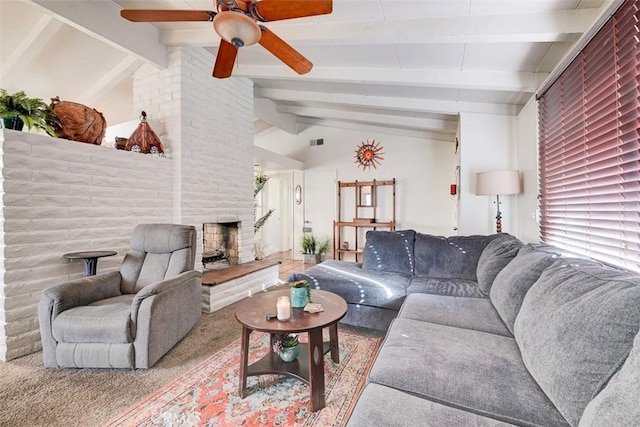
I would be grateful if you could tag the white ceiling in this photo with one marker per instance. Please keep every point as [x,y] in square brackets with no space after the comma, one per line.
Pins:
[409,65]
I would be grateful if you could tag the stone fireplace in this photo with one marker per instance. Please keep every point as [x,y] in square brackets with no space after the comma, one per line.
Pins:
[220,244]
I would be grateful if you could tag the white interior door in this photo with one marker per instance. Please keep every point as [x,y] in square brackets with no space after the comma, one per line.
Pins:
[319,195]
[278,229]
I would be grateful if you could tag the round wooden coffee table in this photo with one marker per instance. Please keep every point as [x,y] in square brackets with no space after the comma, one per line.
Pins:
[309,366]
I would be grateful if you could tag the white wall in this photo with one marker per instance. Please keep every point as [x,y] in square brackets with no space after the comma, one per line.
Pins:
[63,196]
[527,207]
[487,143]
[424,170]
[206,125]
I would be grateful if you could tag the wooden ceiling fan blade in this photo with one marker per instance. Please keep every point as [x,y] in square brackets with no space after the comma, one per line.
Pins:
[284,52]
[225,60]
[166,15]
[275,10]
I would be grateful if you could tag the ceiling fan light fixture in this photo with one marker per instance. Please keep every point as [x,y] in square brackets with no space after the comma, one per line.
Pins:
[236,28]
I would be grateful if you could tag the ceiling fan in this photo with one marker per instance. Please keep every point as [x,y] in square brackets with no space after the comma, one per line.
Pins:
[236,22]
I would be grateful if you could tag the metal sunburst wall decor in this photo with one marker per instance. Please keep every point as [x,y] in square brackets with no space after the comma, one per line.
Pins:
[369,154]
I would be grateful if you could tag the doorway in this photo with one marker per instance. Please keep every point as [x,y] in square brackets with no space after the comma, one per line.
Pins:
[277,235]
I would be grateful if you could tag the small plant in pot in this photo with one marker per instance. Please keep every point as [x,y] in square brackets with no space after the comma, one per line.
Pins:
[300,293]
[323,248]
[313,248]
[287,346]
[18,110]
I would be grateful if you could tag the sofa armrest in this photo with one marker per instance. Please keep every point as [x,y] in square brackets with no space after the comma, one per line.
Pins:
[164,314]
[82,291]
[159,288]
[59,298]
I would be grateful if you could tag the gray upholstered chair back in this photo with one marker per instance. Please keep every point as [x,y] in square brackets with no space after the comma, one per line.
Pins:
[158,252]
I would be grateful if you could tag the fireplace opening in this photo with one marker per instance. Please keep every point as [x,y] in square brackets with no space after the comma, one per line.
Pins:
[219,245]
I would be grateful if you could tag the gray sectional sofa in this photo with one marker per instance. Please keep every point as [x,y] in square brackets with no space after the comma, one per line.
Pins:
[489,331]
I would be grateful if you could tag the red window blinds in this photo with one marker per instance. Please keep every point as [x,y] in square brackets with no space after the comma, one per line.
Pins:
[589,152]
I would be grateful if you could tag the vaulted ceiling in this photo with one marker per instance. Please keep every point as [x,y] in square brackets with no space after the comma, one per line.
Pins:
[409,65]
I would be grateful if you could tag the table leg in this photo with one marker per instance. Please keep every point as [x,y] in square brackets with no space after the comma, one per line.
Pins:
[333,340]
[316,369]
[244,361]
[90,266]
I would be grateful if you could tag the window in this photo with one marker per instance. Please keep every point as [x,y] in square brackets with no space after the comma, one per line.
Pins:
[589,130]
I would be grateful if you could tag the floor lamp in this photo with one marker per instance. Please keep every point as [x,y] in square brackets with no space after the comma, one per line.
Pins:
[498,183]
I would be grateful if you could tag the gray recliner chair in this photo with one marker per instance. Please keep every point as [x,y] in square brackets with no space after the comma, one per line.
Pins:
[128,318]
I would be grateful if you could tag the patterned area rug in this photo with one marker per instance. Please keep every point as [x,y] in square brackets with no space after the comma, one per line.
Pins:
[207,395]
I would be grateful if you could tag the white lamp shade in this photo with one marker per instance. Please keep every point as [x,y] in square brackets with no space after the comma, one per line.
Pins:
[236,28]
[498,182]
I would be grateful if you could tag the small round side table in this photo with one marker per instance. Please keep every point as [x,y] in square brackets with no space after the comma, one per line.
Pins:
[90,259]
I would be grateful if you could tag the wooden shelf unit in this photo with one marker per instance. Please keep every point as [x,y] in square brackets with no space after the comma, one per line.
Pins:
[361,202]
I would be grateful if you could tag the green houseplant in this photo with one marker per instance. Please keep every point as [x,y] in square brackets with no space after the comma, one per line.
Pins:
[287,346]
[18,110]
[313,248]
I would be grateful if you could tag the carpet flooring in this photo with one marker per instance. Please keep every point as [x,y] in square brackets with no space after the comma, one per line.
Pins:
[31,395]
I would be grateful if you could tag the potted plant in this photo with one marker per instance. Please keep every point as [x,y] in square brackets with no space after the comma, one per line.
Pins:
[287,346]
[309,244]
[18,110]
[300,293]
[323,248]
[313,248]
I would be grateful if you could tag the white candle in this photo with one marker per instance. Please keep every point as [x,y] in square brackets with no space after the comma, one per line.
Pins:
[283,307]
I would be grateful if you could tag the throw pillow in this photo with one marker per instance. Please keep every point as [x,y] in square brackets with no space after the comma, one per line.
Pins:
[498,253]
[454,257]
[576,328]
[514,280]
[389,251]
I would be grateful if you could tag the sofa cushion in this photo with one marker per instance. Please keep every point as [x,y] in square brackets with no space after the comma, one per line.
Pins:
[469,313]
[390,251]
[575,329]
[451,287]
[470,370]
[357,285]
[454,257]
[105,321]
[495,256]
[382,406]
[514,280]
[617,404]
